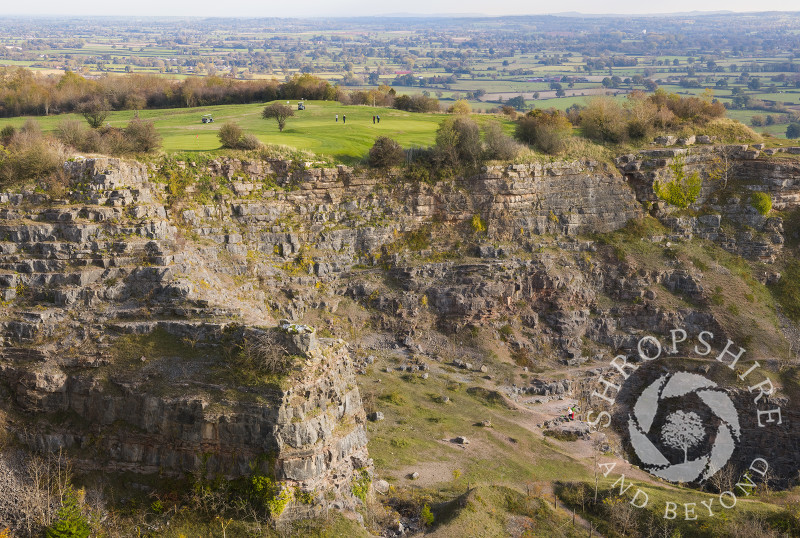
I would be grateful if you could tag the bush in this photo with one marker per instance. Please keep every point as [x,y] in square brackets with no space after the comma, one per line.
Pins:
[498,144]
[72,133]
[762,202]
[793,131]
[229,134]
[460,107]
[30,156]
[642,116]
[110,140]
[697,110]
[682,190]
[546,130]
[265,352]
[386,153]
[249,141]
[603,120]
[478,225]
[142,136]
[361,483]
[7,133]
[268,495]
[458,142]
[232,136]
[426,516]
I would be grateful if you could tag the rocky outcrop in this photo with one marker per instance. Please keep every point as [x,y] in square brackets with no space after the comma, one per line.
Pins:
[730,175]
[307,430]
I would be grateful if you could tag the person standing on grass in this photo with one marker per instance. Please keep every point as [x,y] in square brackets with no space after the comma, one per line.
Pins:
[344,118]
[379,119]
[337,118]
[373,120]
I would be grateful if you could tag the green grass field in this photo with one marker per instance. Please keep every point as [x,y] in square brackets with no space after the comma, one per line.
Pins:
[314,129]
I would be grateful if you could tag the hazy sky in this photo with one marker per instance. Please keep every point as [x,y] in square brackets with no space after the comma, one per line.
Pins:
[316,8]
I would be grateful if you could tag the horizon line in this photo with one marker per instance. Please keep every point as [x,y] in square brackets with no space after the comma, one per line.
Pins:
[399,15]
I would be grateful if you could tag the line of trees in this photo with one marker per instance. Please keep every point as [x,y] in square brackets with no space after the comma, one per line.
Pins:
[23,92]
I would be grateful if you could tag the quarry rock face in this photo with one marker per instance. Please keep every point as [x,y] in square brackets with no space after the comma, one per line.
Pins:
[123,259]
[107,264]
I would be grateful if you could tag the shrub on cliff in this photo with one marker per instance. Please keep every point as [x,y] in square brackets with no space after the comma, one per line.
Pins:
[762,202]
[458,142]
[386,153]
[269,495]
[604,120]
[498,145]
[642,114]
[546,130]
[142,136]
[683,189]
[30,155]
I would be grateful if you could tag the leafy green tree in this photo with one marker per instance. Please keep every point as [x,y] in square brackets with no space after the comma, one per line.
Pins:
[517,102]
[793,131]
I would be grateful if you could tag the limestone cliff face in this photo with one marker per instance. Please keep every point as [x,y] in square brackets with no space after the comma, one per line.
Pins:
[108,263]
[730,174]
[122,255]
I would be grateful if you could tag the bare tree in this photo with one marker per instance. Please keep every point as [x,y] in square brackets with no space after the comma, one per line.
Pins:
[724,479]
[623,516]
[279,112]
[266,351]
[722,166]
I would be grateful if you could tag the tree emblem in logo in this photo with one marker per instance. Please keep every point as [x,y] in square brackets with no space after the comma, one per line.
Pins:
[683,430]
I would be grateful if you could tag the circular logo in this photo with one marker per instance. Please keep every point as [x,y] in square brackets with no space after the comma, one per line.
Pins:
[678,444]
